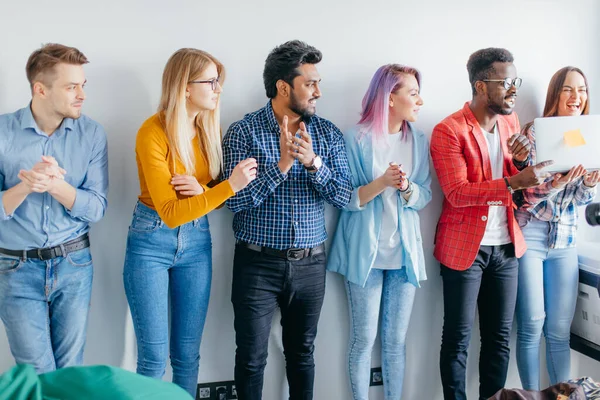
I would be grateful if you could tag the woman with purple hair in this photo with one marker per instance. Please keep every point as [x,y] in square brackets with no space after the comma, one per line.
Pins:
[377,245]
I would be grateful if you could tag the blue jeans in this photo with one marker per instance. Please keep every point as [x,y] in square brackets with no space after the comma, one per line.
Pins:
[387,290]
[489,285]
[160,261]
[547,295]
[44,306]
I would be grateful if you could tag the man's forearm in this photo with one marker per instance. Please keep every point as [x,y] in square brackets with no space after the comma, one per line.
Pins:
[64,193]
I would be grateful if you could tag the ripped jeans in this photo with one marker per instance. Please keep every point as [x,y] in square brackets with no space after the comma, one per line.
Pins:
[546,298]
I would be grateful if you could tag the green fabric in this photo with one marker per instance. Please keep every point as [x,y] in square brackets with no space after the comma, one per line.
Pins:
[20,383]
[90,383]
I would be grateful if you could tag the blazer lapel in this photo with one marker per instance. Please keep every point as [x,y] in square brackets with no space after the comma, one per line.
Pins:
[504,133]
[477,134]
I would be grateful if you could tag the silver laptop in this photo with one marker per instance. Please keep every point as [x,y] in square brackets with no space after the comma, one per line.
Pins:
[569,141]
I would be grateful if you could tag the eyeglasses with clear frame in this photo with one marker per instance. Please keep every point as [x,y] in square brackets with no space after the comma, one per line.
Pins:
[213,82]
[507,82]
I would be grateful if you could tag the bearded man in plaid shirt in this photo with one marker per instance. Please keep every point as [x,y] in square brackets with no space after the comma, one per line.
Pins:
[279,220]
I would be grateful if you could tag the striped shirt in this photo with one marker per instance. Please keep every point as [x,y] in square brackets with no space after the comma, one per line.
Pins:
[557,206]
[279,210]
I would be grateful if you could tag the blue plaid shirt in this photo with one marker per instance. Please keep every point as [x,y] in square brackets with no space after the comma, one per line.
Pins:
[556,206]
[285,210]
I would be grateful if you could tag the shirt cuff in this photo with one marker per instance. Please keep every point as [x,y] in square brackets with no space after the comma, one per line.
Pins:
[414,196]
[321,177]
[223,189]
[3,215]
[273,176]
[81,205]
[354,204]
[521,164]
[583,185]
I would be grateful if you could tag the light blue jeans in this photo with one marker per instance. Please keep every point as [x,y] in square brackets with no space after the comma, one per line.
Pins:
[546,299]
[390,292]
[159,262]
[44,306]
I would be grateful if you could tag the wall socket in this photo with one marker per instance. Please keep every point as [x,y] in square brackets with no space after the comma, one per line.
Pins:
[224,390]
[376,377]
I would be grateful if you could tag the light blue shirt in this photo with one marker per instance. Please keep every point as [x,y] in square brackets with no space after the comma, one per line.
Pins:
[356,238]
[80,148]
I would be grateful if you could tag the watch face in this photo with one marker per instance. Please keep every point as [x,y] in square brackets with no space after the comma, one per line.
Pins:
[317,162]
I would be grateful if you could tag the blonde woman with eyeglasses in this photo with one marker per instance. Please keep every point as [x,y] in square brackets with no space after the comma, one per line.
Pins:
[169,250]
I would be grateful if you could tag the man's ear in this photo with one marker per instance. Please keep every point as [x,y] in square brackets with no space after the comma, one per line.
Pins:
[39,89]
[283,88]
[480,87]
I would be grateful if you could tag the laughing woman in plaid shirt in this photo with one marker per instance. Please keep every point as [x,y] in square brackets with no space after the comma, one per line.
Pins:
[548,272]
[279,220]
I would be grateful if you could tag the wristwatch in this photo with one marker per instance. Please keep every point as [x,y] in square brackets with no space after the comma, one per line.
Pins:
[408,191]
[510,189]
[315,164]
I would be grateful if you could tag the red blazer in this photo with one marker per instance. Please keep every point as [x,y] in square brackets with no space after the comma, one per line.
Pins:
[462,162]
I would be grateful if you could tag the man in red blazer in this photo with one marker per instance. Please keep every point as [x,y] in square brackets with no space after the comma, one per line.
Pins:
[480,159]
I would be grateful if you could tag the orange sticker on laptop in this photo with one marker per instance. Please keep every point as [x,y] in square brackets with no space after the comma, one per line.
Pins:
[574,138]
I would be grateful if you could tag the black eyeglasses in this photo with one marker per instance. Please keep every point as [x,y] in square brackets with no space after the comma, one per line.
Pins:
[213,82]
[507,82]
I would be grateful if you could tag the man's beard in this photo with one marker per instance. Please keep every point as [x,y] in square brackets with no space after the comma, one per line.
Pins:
[498,108]
[304,113]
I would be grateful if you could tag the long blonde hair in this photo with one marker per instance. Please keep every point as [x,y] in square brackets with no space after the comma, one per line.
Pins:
[184,66]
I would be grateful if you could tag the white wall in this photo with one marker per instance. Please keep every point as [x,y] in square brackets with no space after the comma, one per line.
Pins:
[128,43]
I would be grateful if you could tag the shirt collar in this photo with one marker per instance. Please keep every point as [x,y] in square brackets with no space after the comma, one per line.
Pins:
[271,120]
[28,122]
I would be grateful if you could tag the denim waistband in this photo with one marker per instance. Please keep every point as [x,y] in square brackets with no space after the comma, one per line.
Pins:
[142,210]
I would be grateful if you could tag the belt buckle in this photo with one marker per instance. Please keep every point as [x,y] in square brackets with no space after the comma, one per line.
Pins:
[295,254]
[49,250]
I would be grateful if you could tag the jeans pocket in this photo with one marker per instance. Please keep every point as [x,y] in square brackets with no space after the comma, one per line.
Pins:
[320,258]
[9,264]
[202,224]
[80,258]
[144,224]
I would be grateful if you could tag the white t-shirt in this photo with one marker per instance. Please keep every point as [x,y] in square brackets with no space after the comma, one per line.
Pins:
[496,230]
[392,149]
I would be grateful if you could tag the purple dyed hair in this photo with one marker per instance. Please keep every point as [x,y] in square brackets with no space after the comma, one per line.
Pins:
[375,104]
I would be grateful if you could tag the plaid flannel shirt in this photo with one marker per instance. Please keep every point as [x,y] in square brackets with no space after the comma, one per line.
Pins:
[279,210]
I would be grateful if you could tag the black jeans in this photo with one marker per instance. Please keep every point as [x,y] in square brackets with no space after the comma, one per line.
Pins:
[490,284]
[261,283]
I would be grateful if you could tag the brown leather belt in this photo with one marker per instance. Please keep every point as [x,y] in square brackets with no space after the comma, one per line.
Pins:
[49,253]
[288,254]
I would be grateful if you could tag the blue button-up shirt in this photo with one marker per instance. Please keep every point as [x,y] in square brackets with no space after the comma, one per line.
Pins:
[285,210]
[79,146]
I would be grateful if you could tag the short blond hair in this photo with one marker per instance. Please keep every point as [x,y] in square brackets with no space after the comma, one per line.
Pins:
[41,63]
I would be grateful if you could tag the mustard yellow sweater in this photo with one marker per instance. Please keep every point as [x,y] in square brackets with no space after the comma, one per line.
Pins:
[155,170]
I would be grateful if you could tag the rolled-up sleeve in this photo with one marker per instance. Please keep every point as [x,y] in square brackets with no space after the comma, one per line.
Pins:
[3,215]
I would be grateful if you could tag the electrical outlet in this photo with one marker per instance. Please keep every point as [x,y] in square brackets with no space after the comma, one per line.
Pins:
[224,390]
[203,392]
[221,393]
[376,377]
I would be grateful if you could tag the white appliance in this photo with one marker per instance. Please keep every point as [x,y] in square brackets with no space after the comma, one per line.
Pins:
[586,322]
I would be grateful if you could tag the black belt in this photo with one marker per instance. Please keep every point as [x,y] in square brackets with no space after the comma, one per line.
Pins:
[288,254]
[49,253]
